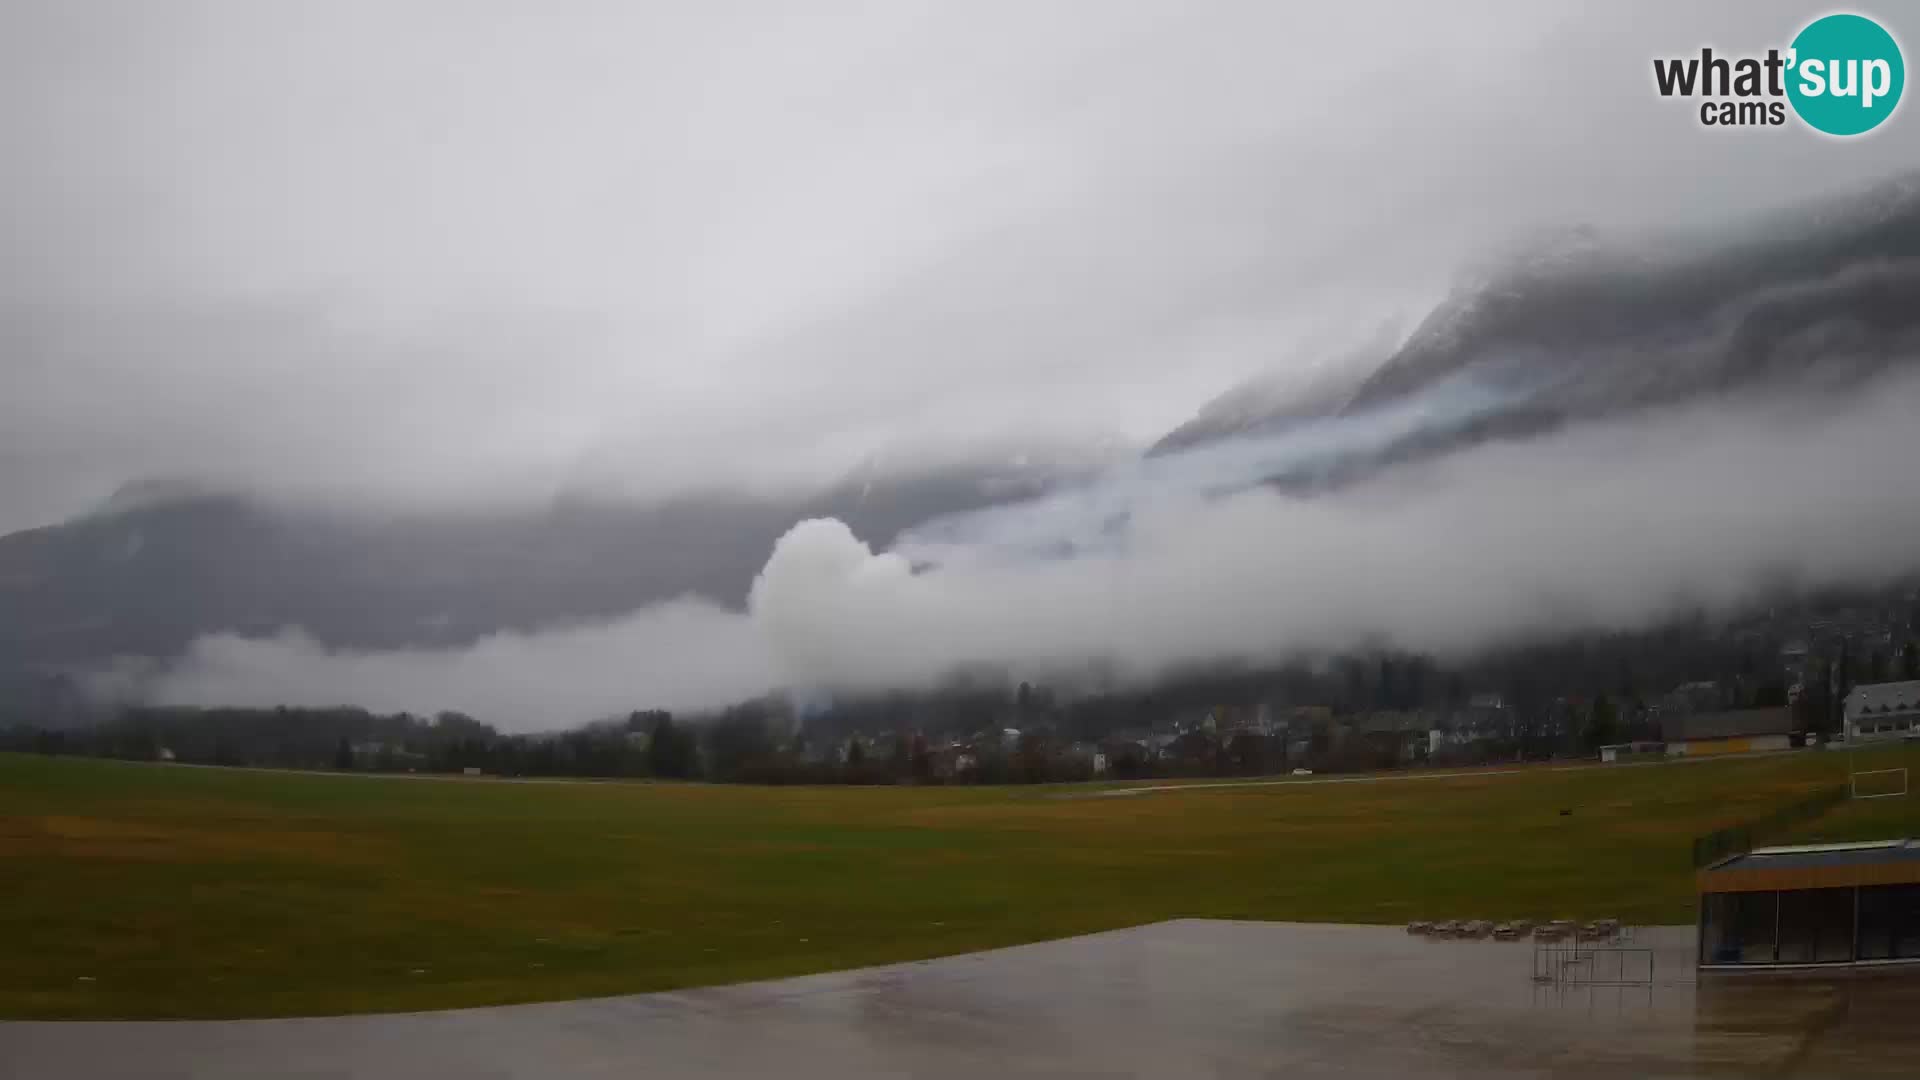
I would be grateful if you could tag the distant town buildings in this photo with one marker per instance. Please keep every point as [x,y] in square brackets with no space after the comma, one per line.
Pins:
[1693,697]
[1766,680]
[1731,731]
[1631,750]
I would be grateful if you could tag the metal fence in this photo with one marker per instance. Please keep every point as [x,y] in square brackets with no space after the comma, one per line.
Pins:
[1742,838]
[1574,963]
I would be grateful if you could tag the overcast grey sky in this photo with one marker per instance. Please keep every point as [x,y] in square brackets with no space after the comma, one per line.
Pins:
[452,251]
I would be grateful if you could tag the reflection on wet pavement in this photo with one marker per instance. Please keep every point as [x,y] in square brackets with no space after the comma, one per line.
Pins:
[1186,998]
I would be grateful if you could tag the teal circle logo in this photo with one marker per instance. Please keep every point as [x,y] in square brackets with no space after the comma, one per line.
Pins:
[1847,74]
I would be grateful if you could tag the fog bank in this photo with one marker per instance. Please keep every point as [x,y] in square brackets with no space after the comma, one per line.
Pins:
[1607,526]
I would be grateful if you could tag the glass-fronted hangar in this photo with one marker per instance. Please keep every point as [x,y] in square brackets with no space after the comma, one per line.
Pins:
[1819,904]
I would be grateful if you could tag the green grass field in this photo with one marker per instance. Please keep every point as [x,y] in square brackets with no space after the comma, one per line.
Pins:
[157,891]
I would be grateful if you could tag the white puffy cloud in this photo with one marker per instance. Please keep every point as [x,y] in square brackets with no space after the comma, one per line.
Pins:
[678,655]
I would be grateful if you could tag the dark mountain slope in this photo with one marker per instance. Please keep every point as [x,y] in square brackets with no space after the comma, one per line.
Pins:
[148,577]
[1580,327]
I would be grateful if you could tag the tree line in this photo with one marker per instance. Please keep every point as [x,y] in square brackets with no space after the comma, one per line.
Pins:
[1560,697]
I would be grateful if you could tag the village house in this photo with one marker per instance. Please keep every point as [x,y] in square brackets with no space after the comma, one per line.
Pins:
[1883,711]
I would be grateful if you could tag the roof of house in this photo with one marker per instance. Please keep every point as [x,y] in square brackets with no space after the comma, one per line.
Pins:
[1814,866]
[1730,724]
[1884,697]
[1391,723]
[1856,854]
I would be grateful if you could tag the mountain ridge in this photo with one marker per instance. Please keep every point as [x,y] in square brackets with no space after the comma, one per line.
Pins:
[1574,329]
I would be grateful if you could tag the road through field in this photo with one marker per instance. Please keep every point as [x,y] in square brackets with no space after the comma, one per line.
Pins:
[1391,777]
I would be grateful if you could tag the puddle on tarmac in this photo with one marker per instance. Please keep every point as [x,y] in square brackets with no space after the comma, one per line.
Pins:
[1181,998]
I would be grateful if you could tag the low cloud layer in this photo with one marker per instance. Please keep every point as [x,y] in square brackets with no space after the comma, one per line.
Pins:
[686,654]
[1602,527]
[442,254]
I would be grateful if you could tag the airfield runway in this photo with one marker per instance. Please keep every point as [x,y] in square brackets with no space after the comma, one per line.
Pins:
[1183,998]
